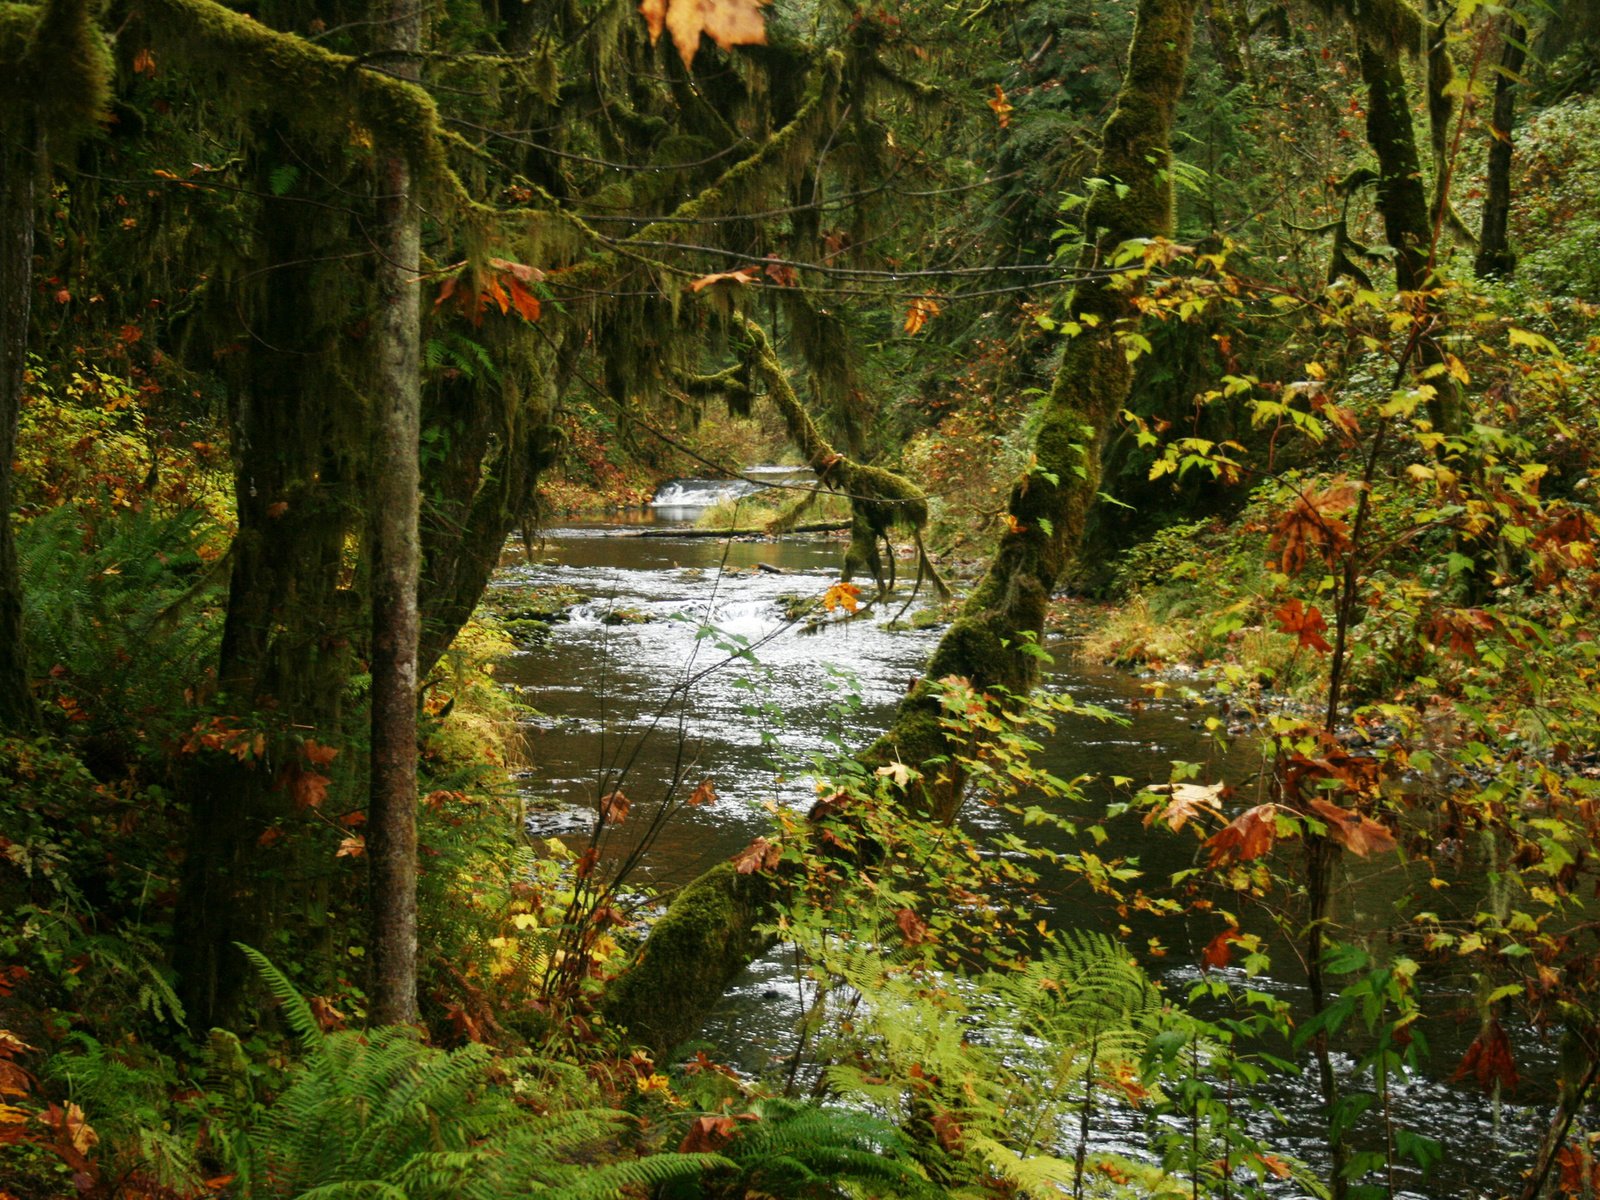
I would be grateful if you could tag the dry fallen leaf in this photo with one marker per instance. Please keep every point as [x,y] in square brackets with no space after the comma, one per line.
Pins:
[759,855]
[614,807]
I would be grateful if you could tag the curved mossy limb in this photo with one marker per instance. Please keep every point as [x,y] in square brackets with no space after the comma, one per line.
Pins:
[880,500]
[706,937]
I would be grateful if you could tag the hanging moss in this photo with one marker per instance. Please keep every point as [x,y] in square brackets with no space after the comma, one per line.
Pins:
[1393,26]
[54,67]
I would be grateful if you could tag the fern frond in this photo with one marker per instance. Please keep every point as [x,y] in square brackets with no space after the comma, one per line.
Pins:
[302,1021]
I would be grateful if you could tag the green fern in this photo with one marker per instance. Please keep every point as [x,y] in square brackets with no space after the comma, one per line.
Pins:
[799,1149]
[1001,1069]
[379,1114]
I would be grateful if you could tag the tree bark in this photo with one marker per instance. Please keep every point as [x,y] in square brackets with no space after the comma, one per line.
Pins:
[1407,219]
[987,643]
[54,82]
[396,564]
[1495,259]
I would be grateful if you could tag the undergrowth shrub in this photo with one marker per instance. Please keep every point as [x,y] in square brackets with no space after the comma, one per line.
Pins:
[122,617]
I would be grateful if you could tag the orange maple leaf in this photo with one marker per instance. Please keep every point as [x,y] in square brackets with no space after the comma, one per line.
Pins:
[308,788]
[1314,523]
[317,754]
[705,793]
[728,23]
[842,595]
[1001,106]
[921,311]
[1217,952]
[352,847]
[1305,623]
[912,927]
[1250,835]
[742,276]
[1358,834]
[707,1135]
[1489,1060]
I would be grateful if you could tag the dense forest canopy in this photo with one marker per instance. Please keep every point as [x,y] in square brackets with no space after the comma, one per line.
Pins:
[1258,340]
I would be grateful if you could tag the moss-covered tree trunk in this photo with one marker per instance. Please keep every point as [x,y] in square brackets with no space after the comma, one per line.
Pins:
[987,643]
[396,563]
[1495,258]
[295,614]
[54,84]
[1408,220]
[20,152]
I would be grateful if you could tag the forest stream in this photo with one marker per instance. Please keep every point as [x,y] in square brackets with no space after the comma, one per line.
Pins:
[611,670]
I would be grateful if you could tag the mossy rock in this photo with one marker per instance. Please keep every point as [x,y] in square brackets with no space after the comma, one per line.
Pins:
[527,632]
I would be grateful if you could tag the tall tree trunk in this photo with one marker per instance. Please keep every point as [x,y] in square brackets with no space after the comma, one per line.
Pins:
[20,155]
[294,616]
[705,934]
[1407,219]
[1495,258]
[396,559]
[54,84]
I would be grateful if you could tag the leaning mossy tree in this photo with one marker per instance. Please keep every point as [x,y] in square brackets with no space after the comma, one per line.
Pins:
[991,642]
[525,297]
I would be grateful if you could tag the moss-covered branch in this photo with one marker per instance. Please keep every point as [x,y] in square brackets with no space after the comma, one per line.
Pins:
[880,500]
[311,91]
[705,939]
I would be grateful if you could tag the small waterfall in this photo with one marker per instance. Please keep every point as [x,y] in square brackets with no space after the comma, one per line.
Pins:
[700,493]
[691,496]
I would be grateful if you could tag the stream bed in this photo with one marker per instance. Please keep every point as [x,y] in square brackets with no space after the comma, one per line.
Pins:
[629,700]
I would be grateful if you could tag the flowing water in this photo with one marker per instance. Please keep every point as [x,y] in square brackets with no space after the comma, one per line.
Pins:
[681,665]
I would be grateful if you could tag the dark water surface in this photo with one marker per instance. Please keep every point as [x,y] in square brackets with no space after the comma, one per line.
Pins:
[634,704]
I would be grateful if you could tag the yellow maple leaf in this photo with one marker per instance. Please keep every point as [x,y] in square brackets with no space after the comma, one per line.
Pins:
[922,308]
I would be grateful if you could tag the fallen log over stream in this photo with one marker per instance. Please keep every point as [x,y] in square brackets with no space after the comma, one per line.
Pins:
[754,531]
